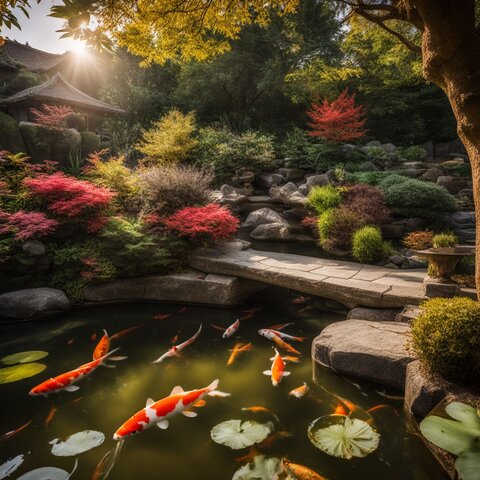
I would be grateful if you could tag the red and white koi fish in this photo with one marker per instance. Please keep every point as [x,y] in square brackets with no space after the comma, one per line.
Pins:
[299,392]
[175,349]
[277,371]
[158,413]
[103,346]
[269,333]
[66,381]
[231,329]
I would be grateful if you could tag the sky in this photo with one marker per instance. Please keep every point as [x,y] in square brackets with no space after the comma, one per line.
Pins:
[39,29]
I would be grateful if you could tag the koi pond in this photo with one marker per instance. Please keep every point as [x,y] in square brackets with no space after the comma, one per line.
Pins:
[271,424]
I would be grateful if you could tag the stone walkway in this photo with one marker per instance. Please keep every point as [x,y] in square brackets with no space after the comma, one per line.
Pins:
[350,283]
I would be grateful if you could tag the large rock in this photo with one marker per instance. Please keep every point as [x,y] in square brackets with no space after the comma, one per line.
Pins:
[288,195]
[272,232]
[373,314]
[267,180]
[190,287]
[317,180]
[34,248]
[291,173]
[33,303]
[431,174]
[232,195]
[452,184]
[374,351]
[263,216]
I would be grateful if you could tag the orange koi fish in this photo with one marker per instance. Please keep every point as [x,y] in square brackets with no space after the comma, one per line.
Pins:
[249,457]
[162,316]
[158,413]
[175,349]
[94,336]
[289,359]
[66,381]
[340,410]
[103,346]
[122,333]
[257,409]
[299,392]
[50,416]
[7,435]
[350,405]
[237,349]
[300,471]
[377,407]
[286,346]
[277,372]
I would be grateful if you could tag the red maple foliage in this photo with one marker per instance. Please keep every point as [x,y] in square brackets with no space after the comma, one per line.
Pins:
[338,121]
[69,197]
[26,225]
[210,222]
[52,116]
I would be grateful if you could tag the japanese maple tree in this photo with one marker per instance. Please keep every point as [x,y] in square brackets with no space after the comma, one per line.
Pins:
[339,120]
[52,116]
[26,225]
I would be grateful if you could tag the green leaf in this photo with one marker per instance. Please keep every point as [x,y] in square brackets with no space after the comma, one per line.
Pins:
[77,443]
[19,372]
[237,435]
[464,413]
[468,465]
[23,357]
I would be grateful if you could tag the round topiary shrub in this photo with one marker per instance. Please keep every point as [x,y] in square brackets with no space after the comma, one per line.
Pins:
[324,198]
[368,245]
[446,338]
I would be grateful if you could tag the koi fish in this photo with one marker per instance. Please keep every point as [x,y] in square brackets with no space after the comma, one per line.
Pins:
[340,410]
[276,339]
[175,349]
[272,438]
[103,346]
[246,317]
[350,405]
[174,339]
[107,462]
[7,435]
[94,336]
[306,309]
[277,371]
[259,409]
[299,392]
[122,333]
[279,326]
[289,359]
[158,413]
[162,316]
[281,335]
[249,457]
[237,349]
[300,300]
[69,342]
[66,381]
[231,329]
[377,407]
[300,471]
[50,416]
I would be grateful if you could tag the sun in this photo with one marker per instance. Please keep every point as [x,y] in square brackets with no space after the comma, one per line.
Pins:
[79,48]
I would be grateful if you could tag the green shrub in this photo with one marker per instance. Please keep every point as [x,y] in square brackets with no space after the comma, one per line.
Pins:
[414,154]
[377,153]
[227,153]
[324,198]
[90,143]
[368,245]
[393,179]
[10,136]
[444,240]
[414,198]
[446,338]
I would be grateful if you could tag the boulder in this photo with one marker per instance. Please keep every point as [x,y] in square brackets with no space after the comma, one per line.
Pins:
[33,303]
[463,218]
[272,232]
[246,177]
[431,174]
[317,180]
[291,173]
[373,143]
[295,214]
[303,189]
[408,313]
[288,195]
[443,149]
[389,148]
[34,248]
[373,314]
[452,184]
[232,195]
[267,180]
[374,351]
[263,216]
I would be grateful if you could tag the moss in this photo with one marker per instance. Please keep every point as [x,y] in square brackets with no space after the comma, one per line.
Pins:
[90,143]
[10,136]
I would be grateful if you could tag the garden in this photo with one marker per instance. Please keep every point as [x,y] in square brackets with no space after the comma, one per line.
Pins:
[198,195]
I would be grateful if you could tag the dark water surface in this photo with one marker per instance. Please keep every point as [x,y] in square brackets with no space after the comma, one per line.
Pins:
[185,451]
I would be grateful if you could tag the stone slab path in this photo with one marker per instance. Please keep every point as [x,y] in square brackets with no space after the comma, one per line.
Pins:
[350,283]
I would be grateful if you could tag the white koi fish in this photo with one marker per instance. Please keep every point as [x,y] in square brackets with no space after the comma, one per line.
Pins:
[175,349]
[231,329]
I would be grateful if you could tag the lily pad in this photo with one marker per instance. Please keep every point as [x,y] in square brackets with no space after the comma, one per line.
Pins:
[262,468]
[21,371]
[45,473]
[8,467]
[23,357]
[344,437]
[237,435]
[77,443]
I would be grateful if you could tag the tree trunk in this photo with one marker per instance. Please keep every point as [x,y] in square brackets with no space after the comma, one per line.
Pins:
[451,60]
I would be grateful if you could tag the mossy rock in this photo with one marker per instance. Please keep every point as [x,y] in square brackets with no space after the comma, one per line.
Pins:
[90,143]
[10,136]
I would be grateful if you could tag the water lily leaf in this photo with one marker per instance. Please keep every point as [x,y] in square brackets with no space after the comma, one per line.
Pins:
[463,413]
[262,468]
[344,437]
[77,443]
[8,467]
[468,465]
[237,435]
[24,357]
[454,437]
[45,473]
[21,371]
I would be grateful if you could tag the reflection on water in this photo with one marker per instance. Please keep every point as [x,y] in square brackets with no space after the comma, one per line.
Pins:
[185,451]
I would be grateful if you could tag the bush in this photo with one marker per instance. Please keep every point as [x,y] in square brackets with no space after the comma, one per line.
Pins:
[420,240]
[227,153]
[167,189]
[11,138]
[414,198]
[414,154]
[368,245]
[170,139]
[203,224]
[324,198]
[90,143]
[444,240]
[367,202]
[390,180]
[26,225]
[446,338]
[375,178]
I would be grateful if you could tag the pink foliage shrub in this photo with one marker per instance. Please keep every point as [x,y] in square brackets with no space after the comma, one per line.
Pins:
[211,222]
[52,116]
[26,225]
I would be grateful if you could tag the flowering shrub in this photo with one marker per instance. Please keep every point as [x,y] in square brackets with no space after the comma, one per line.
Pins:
[26,225]
[211,222]
[52,116]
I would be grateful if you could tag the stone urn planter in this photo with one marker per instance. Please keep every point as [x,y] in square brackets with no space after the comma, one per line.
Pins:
[443,260]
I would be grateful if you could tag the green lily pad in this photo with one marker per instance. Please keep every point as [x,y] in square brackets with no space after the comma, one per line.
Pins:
[468,465]
[344,437]
[12,464]
[463,413]
[262,468]
[237,435]
[19,372]
[77,443]
[23,357]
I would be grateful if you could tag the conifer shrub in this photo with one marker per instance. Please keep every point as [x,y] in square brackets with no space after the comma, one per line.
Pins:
[368,245]
[444,240]
[416,153]
[420,240]
[324,198]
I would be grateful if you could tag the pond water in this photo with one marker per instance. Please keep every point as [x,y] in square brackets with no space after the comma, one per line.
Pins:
[185,450]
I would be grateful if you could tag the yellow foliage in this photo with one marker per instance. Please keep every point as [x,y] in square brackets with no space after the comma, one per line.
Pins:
[170,139]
